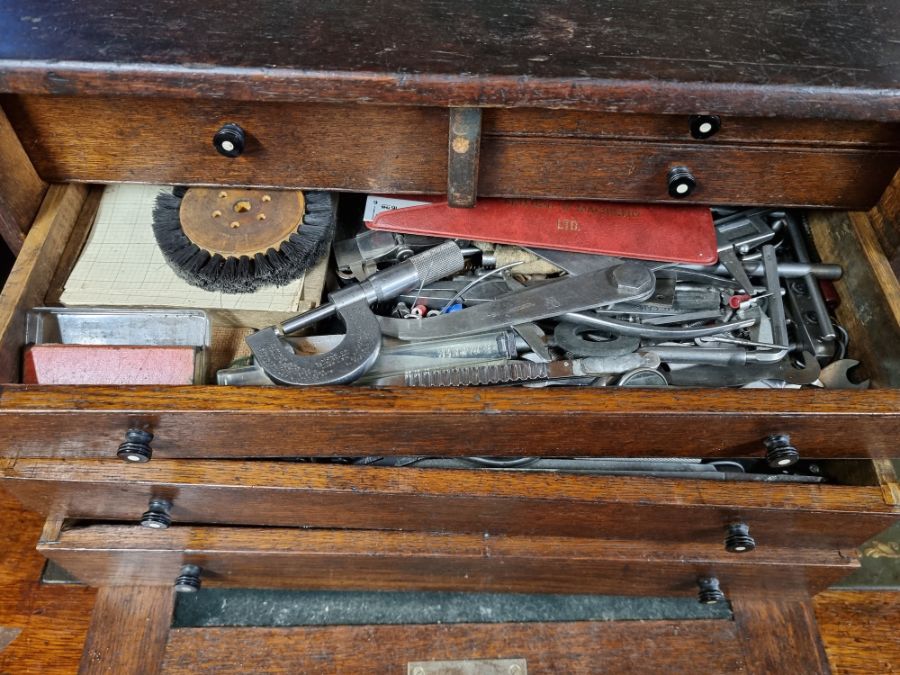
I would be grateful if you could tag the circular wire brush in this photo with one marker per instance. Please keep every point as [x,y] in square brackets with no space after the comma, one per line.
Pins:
[236,241]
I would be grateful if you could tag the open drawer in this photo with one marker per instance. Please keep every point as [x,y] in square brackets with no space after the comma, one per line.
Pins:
[116,555]
[207,421]
[72,139]
[533,503]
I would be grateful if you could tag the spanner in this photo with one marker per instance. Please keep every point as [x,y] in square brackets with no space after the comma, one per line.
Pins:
[834,375]
[735,376]
[621,282]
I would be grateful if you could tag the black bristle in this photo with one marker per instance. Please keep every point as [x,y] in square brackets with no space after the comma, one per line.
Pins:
[209,273]
[263,266]
[277,267]
[245,269]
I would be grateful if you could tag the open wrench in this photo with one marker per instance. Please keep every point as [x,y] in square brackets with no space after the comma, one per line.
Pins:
[725,376]
[621,282]
[834,375]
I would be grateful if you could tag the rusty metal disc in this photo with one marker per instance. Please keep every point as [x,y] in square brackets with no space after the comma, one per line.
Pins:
[234,222]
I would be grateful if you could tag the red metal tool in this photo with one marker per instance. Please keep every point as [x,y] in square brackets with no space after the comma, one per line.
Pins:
[683,234]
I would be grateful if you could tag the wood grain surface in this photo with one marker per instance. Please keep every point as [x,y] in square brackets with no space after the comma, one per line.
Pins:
[742,175]
[288,145]
[50,622]
[769,131]
[208,421]
[779,636]
[576,648]
[81,230]
[869,291]
[389,149]
[129,630]
[436,500]
[31,275]
[885,220]
[108,555]
[813,60]
[859,629]
[21,190]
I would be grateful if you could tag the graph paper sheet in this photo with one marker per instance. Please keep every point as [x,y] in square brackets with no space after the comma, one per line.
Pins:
[121,264]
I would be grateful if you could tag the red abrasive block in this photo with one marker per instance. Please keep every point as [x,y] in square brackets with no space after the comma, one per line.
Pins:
[683,234]
[102,364]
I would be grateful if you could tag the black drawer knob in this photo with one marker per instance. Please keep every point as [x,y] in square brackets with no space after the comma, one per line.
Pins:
[704,126]
[709,592]
[229,140]
[157,516]
[738,539]
[780,454]
[681,182]
[188,580]
[136,447]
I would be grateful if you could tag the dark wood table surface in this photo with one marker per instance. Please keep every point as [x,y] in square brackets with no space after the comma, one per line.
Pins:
[832,59]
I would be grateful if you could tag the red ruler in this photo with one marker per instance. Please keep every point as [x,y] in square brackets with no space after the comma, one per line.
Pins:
[683,234]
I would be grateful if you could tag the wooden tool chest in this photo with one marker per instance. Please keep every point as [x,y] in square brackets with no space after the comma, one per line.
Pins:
[574,100]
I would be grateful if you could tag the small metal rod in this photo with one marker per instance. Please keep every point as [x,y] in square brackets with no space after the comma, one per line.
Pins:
[653,332]
[815,294]
[787,270]
[307,319]
[776,305]
[472,284]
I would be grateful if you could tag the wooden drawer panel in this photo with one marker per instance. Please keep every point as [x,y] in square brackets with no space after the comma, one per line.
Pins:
[552,154]
[205,421]
[440,500]
[201,421]
[109,555]
[543,123]
[577,647]
[725,174]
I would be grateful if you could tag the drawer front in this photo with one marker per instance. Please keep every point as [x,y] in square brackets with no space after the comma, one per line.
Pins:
[200,421]
[551,154]
[109,555]
[543,123]
[440,500]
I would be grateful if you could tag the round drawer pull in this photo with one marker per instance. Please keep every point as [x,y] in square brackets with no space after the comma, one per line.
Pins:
[157,516]
[136,447]
[738,539]
[709,592]
[704,126]
[681,182]
[780,454]
[188,580]
[229,140]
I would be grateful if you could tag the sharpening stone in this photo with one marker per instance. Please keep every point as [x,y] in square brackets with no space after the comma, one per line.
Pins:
[107,364]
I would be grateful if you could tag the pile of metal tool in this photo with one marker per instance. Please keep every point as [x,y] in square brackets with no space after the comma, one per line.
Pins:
[418,311]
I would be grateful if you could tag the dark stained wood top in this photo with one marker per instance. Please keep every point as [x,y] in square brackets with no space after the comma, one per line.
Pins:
[824,59]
